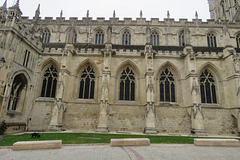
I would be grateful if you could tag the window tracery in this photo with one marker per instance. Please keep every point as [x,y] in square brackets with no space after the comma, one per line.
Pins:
[181,38]
[49,82]
[127,85]
[167,86]
[87,83]
[99,37]
[208,87]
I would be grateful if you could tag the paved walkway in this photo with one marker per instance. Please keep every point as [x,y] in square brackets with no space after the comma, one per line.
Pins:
[105,152]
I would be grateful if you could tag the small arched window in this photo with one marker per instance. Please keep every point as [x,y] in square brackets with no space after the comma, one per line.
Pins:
[87,83]
[49,84]
[126,38]
[99,37]
[167,86]
[238,40]
[154,39]
[208,87]
[46,36]
[181,38]
[211,40]
[127,85]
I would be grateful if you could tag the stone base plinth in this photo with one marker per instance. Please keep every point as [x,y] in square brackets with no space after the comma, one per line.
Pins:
[31,145]
[102,129]
[54,128]
[197,132]
[150,131]
[130,142]
[217,142]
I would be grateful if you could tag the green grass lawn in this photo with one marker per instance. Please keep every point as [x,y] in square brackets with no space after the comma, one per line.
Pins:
[86,138]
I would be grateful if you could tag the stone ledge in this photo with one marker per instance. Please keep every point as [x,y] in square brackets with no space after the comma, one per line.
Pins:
[31,145]
[130,142]
[217,142]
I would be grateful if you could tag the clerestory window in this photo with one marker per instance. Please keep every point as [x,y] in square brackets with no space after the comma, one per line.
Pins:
[99,37]
[126,38]
[127,85]
[87,83]
[181,38]
[46,36]
[211,40]
[167,86]
[154,39]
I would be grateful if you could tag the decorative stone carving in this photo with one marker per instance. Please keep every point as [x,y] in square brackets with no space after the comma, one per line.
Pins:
[236,64]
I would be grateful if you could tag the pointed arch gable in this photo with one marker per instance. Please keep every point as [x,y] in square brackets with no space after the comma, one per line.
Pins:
[214,69]
[24,73]
[171,66]
[49,61]
[84,63]
[128,63]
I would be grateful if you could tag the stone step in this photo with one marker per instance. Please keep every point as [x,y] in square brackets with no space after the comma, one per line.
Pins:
[31,145]
[130,142]
[217,142]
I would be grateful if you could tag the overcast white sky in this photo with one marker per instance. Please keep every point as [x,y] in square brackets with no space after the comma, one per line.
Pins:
[124,8]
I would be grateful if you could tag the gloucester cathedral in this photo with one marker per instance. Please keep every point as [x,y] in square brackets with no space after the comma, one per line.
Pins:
[150,76]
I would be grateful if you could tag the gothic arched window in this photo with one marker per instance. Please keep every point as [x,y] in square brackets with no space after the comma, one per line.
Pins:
[18,93]
[154,39]
[49,84]
[87,83]
[127,85]
[238,40]
[99,37]
[46,36]
[208,87]
[167,86]
[211,40]
[181,38]
[126,38]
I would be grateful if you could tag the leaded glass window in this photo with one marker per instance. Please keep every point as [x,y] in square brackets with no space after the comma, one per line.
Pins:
[87,83]
[154,39]
[167,86]
[46,36]
[49,82]
[181,38]
[99,37]
[211,40]
[238,40]
[126,38]
[127,85]
[208,87]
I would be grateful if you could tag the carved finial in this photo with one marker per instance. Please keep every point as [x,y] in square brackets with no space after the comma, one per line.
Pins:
[5,4]
[61,13]
[114,14]
[17,4]
[196,15]
[141,14]
[87,13]
[168,14]
[37,13]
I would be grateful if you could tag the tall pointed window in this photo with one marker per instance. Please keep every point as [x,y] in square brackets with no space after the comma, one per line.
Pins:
[87,83]
[238,40]
[211,40]
[99,37]
[46,36]
[167,86]
[181,38]
[154,39]
[18,93]
[49,82]
[208,87]
[126,38]
[127,85]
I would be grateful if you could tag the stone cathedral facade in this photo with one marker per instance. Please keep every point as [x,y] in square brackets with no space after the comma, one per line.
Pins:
[151,76]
